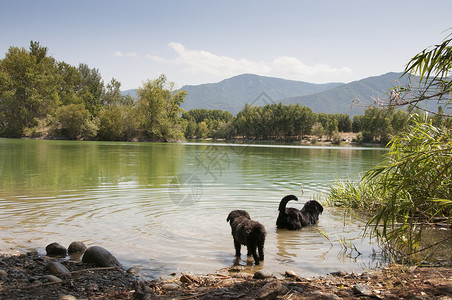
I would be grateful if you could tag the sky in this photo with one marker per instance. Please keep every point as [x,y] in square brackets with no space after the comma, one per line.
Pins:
[200,41]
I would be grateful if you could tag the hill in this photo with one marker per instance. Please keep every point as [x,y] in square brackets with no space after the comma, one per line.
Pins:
[233,93]
[343,99]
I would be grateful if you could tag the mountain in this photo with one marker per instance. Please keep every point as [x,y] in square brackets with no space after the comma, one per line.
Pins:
[233,93]
[343,99]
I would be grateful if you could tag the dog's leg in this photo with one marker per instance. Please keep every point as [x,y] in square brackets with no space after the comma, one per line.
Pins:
[261,251]
[253,249]
[237,246]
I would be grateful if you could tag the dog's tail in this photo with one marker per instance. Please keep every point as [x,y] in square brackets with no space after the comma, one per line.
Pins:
[283,203]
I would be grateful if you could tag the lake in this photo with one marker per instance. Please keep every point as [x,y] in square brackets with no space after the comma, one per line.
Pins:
[162,207]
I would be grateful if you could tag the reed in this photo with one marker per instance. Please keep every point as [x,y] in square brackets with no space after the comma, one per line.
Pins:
[410,190]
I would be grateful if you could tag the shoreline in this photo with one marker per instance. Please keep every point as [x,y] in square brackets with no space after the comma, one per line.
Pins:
[27,276]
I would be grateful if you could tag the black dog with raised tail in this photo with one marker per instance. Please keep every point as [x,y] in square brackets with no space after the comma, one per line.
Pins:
[294,219]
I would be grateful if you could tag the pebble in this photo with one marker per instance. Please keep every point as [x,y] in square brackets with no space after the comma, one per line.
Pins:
[261,274]
[290,273]
[57,269]
[339,273]
[189,278]
[55,249]
[100,257]
[242,275]
[75,247]
[52,278]
[361,289]
[3,273]
[67,297]
[170,286]
[270,290]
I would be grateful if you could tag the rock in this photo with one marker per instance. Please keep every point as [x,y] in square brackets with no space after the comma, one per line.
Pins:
[133,271]
[270,290]
[361,289]
[100,257]
[329,296]
[3,273]
[76,247]
[290,273]
[142,291]
[339,273]
[170,286]
[67,297]
[261,274]
[57,269]
[55,249]
[52,278]
[189,278]
[242,275]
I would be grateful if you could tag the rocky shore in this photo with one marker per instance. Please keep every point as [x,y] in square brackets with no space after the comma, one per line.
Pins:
[100,276]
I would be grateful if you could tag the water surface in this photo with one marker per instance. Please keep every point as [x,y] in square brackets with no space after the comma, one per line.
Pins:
[163,207]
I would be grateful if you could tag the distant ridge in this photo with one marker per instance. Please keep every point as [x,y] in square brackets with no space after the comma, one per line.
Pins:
[351,98]
[233,93]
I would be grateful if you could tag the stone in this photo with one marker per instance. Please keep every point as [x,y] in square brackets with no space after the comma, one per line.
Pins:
[270,290]
[55,249]
[261,274]
[100,257]
[290,273]
[3,273]
[170,286]
[67,297]
[76,247]
[339,273]
[57,269]
[189,278]
[242,275]
[52,278]
[361,289]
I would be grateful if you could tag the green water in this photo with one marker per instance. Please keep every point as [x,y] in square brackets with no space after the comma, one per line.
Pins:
[163,207]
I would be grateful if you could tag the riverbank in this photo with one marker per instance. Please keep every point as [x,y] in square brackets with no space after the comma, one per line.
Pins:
[26,276]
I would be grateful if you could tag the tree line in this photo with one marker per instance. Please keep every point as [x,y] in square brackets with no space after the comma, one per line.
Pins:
[42,97]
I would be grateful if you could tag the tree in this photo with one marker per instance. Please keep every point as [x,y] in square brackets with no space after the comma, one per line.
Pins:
[159,106]
[74,121]
[29,88]
[91,88]
[430,79]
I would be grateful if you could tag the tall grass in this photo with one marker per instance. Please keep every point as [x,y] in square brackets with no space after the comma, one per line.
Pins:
[411,189]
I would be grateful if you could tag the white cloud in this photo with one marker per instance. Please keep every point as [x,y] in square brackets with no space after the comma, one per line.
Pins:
[199,61]
[131,54]
[128,54]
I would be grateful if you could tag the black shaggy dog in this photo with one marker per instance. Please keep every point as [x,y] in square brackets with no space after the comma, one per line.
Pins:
[247,232]
[294,219]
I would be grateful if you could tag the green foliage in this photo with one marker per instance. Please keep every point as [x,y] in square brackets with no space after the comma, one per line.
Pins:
[159,108]
[28,90]
[429,72]
[75,122]
[274,121]
[417,177]
[413,186]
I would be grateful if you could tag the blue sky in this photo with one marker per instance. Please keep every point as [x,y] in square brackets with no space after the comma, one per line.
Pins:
[199,41]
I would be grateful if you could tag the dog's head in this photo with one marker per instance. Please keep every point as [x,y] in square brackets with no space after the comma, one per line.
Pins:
[313,207]
[237,213]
